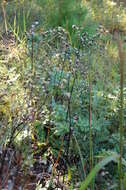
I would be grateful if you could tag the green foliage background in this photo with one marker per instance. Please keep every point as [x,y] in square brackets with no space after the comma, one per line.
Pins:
[64,41]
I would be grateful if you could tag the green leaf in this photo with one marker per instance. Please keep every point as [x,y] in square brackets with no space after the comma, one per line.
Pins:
[96,169]
[124,181]
[69,174]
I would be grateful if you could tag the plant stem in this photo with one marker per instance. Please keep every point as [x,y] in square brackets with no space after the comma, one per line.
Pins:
[4,15]
[69,113]
[80,154]
[90,128]
[32,56]
[121,57]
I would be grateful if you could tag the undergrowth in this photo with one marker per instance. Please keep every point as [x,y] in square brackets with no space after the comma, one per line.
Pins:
[62,94]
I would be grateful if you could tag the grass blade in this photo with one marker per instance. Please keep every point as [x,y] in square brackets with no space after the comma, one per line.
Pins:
[96,169]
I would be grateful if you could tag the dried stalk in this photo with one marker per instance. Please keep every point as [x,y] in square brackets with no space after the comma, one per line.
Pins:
[4,15]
